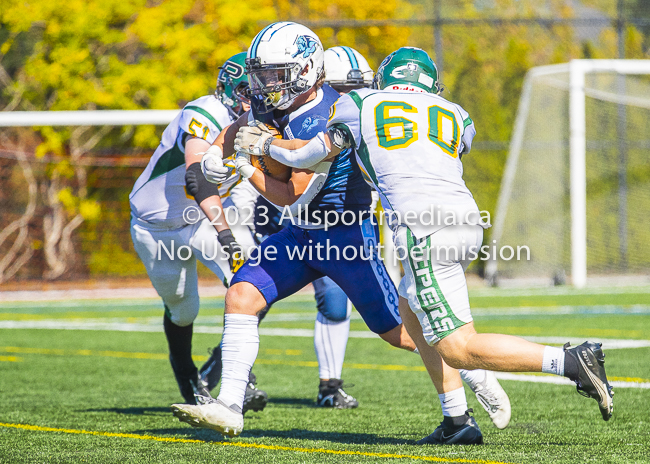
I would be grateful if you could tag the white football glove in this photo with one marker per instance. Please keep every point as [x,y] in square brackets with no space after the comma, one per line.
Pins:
[212,165]
[243,165]
[251,139]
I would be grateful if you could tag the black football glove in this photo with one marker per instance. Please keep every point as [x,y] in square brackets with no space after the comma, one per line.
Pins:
[234,250]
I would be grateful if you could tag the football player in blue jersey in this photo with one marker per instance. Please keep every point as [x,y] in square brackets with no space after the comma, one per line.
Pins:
[332,323]
[345,70]
[285,67]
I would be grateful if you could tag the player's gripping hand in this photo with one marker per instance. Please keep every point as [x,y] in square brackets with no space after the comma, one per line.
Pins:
[212,165]
[243,164]
[254,139]
[234,250]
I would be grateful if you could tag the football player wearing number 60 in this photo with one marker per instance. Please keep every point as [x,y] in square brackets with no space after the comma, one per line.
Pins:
[173,206]
[348,70]
[409,142]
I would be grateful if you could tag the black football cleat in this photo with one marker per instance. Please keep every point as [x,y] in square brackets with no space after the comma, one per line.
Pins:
[210,372]
[255,399]
[466,434]
[193,389]
[592,380]
[332,395]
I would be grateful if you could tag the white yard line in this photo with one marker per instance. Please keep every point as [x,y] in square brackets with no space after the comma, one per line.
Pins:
[154,325]
[564,381]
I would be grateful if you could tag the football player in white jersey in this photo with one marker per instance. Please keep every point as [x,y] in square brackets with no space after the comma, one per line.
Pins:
[409,142]
[347,70]
[170,231]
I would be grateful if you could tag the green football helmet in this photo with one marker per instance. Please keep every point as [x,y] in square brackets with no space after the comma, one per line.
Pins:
[407,67]
[232,84]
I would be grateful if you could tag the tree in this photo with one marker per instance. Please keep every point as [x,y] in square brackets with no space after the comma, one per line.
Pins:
[106,54]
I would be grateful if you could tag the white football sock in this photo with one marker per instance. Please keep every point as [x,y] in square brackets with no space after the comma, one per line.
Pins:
[330,341]
[454,403]
[553,361]
[471,378]
[239,346]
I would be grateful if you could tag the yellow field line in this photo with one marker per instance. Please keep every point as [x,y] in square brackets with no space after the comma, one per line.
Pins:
[10,359]
[136,355]
[250,445]
[628,379]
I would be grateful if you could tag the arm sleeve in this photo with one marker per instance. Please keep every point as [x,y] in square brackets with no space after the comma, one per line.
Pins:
[344,115]
[302,158]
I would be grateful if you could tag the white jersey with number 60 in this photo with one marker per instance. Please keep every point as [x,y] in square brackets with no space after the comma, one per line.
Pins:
[408,145]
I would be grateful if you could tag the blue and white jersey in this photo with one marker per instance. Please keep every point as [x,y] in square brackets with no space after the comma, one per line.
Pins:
[345,188]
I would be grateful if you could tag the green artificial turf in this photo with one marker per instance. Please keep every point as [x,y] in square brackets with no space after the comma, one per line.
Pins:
[103,396]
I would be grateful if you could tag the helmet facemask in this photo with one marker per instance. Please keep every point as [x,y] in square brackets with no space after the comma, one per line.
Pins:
[234,99]
[276,86]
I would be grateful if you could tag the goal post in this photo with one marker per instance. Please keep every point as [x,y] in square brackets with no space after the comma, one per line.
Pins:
[594,108]
[86,118]
[66,216]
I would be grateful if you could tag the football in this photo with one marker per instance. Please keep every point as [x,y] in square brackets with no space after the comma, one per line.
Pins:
[269,166]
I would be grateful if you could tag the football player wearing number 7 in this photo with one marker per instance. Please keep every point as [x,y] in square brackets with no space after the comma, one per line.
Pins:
[409,142]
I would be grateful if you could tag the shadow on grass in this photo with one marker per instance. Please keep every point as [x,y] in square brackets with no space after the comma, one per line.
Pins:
[334,437]
[135,411]
[188,433]
[294,402]
[294,434]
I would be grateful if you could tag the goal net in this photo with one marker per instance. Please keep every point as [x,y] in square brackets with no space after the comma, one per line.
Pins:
[576,189]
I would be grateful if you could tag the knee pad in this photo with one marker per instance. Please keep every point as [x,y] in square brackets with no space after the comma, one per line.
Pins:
[331,301]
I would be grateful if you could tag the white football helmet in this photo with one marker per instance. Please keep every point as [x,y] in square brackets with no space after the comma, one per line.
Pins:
[284,60]
[346,69]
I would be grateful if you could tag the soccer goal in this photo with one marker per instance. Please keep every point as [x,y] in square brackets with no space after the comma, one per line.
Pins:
[576,187]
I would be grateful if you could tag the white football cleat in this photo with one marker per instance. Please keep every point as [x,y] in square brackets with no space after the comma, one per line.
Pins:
[215,415]
[493,398]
